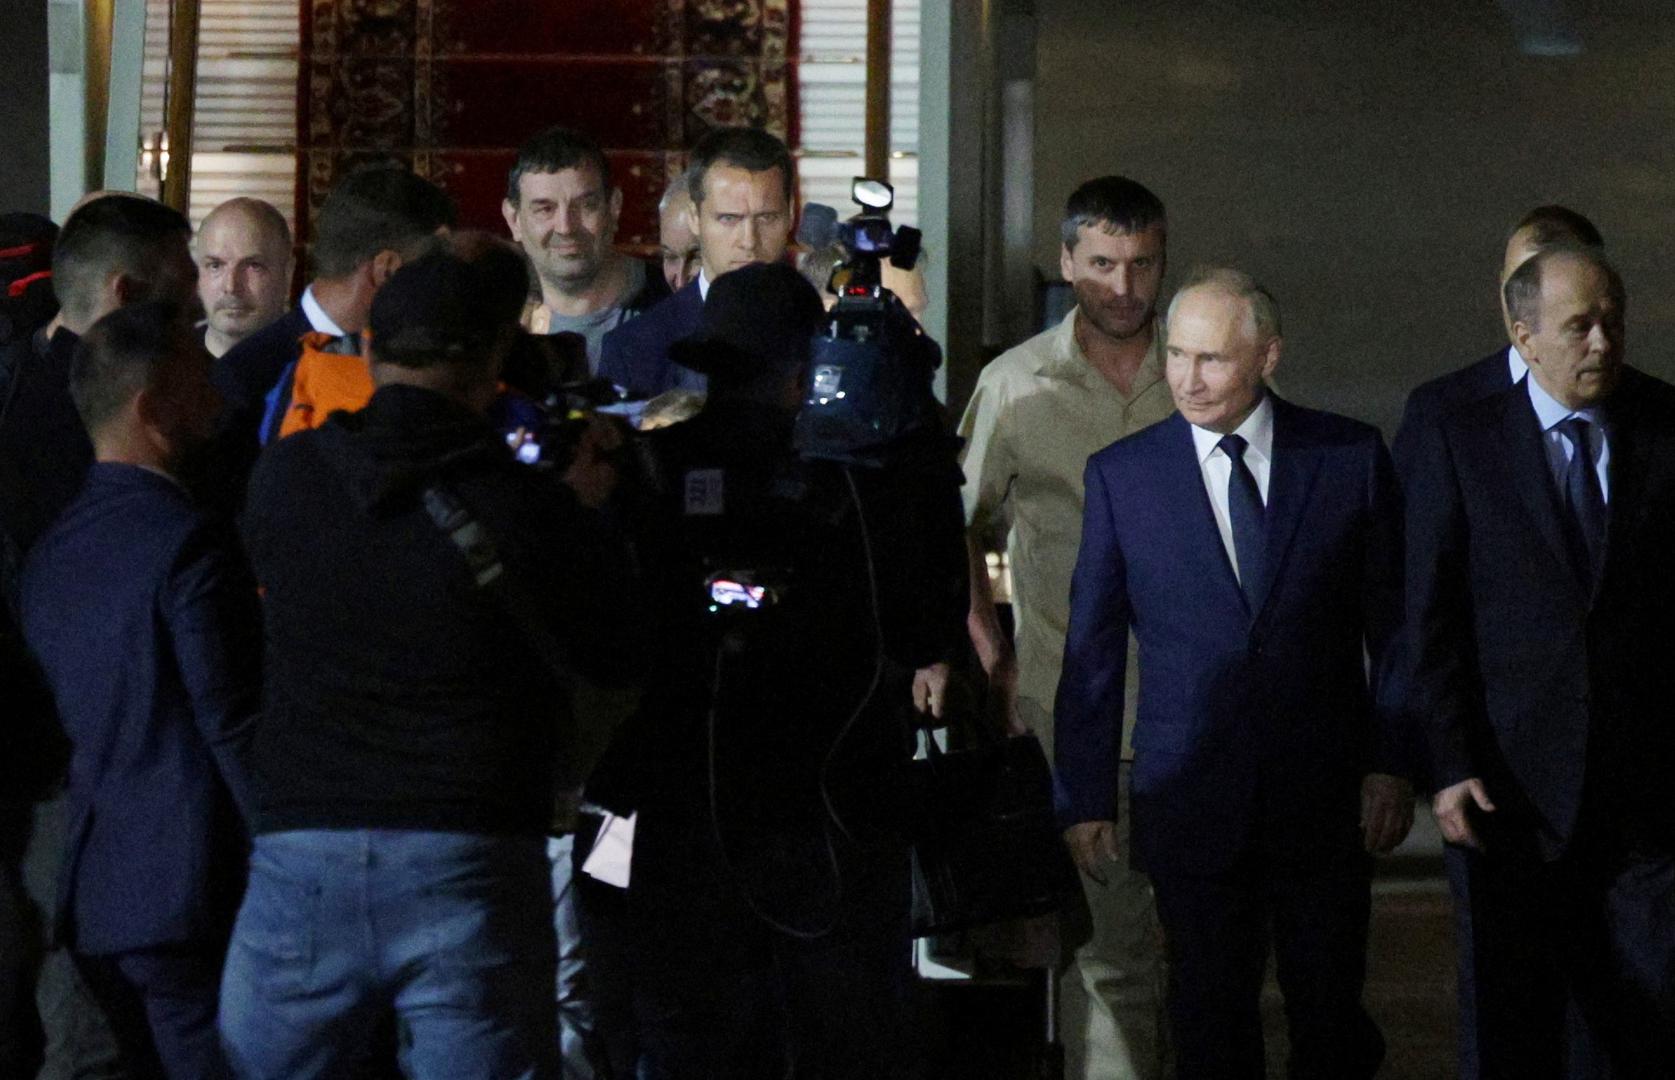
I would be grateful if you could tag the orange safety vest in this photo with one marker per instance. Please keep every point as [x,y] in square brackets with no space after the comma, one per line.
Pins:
[323,383]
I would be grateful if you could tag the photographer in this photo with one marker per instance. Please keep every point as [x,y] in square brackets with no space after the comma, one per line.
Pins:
[768,906]
[417,582]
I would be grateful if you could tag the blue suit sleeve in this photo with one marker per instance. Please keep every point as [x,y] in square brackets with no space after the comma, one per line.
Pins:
[214,623]
[1088,712]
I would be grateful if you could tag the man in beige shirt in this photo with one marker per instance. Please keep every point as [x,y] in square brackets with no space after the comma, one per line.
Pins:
[1038,412]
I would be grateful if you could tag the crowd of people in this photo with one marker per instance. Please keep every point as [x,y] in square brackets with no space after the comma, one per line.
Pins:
[466,671]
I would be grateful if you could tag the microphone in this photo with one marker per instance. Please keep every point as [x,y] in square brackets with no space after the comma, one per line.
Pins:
[818,227]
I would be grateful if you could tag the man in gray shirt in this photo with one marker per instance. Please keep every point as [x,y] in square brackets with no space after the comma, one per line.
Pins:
[563,209]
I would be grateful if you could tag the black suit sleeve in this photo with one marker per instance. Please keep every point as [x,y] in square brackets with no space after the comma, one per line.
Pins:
[1381,580]
[1446,691]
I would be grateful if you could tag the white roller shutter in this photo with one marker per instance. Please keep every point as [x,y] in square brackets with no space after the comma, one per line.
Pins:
[245,117]
[832,89]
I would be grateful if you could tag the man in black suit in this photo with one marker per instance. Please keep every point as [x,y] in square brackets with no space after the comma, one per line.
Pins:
[1541,228]
[740,182]
[1540,521]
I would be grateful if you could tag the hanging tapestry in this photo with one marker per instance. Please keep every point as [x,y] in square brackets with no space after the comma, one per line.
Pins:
[452,87]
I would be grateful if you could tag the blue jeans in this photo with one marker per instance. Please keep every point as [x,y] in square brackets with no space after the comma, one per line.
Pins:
[450,932]
[575,999]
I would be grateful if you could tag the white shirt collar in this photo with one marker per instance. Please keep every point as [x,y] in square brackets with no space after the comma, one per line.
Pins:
[1257,431]
[1550,412]
[703,285]
[1515,363]
[317,317]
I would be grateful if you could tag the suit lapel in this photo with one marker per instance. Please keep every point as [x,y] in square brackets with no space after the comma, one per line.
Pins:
[1193,510]
[1291,475]
[1532,477]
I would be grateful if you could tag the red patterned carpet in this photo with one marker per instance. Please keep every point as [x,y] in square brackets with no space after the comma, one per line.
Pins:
[453,86]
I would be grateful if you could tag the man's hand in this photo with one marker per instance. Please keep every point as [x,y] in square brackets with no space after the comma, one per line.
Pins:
[1452,806]
[930,689]
[1093,846]
[1386,811]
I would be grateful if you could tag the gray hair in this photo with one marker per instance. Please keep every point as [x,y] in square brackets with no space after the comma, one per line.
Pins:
[1523,288]
[1264,309]
[679,188]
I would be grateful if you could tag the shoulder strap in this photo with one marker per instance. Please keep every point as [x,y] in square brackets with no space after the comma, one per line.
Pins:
[483,558]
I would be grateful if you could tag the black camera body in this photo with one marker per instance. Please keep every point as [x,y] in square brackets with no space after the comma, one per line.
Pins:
[870,369]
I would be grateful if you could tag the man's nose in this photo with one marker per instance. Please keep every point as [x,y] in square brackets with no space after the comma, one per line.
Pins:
[1122,280]
[747,234]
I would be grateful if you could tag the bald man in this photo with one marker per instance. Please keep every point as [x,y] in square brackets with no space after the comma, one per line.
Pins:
[244,270]
[677,243]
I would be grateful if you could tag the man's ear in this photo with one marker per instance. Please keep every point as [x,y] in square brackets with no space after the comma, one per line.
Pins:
[691,213]
[1067,263]
[1523,340]
[1271,356]
[510,213]
[616,204]
[122,289]
[384,264]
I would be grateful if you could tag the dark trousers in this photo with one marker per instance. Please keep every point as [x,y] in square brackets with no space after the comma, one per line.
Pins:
[1218,929]
[719,993]
[1457,863]
[162,1005]
[1574,964]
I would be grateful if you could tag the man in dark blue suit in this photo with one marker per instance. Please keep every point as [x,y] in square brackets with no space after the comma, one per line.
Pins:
[740,180]
[1540,524]
[1253,547]
[147,629]
[373,220]
[1541,228]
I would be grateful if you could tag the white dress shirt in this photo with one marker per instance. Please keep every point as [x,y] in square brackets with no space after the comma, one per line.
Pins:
[1217,468]
[1559,450]
[703,285]
[1515,364]
[317,317]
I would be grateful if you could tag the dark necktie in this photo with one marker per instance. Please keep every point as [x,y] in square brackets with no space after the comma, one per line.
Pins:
[1244,512]
[1583,498]
[347,345]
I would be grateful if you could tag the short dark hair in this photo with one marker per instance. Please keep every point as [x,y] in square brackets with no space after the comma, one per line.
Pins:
[1523,289]
[119,356]
[1115,204]
[554,150]
[127,234]
[746,148]
[451,303]
[373,209]
[1555,225]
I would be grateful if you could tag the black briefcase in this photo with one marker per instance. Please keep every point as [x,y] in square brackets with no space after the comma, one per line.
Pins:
[988,845]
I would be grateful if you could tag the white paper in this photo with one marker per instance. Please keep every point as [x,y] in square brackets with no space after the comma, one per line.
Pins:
[613,851]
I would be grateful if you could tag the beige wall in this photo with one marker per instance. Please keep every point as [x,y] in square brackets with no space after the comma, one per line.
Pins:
[1364,159]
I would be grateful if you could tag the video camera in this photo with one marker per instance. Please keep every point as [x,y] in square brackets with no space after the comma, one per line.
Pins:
[870,369]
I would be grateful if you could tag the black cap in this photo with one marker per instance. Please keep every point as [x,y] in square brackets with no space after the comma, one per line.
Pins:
[436,309]
[756,319]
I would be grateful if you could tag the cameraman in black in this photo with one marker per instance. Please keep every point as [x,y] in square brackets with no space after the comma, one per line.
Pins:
[768,910]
